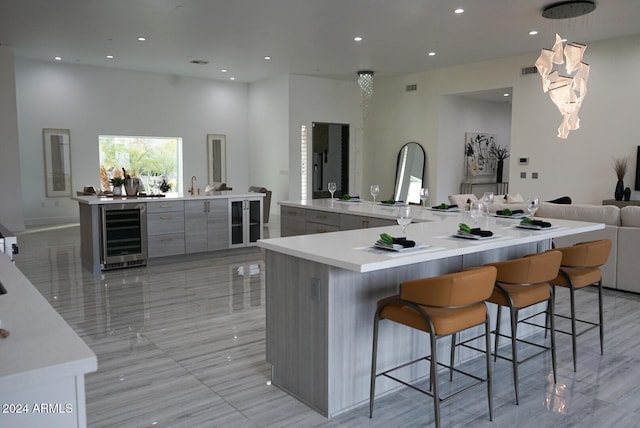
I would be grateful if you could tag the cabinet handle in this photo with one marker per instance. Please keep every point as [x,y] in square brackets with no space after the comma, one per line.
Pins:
[324,217]
[166,217]
[165,206]
[166,239]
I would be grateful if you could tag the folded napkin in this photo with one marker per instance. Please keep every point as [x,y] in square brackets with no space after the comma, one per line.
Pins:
[540,223]
[448,207]
[499,212]
[404,242]
[480,232]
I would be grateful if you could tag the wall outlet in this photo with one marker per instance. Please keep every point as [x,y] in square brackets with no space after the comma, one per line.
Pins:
[523,175]
[315,289]
[534,175]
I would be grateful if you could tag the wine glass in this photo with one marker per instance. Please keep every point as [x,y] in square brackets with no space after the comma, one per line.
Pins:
[424,195]
[476,209]
[332,188]
[375,189]
[487,198]
[532,205]
[404,217]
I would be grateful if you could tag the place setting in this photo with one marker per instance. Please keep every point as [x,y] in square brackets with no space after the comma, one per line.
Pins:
[400,244]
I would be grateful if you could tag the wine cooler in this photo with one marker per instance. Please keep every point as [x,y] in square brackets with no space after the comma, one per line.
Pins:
[123,236]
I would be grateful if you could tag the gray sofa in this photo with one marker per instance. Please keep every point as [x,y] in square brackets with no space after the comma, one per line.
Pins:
[622,227]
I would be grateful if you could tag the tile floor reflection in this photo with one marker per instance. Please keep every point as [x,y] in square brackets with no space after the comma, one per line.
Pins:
[183,345]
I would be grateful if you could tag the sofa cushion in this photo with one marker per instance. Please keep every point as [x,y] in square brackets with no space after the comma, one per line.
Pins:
[630,216]
[462,201]
[607,214]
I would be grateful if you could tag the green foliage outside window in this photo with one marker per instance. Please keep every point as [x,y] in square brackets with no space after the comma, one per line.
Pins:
[151,159]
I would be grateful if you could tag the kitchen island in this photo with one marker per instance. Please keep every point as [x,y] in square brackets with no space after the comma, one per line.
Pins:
[43,360]
[322,289]
[117,232]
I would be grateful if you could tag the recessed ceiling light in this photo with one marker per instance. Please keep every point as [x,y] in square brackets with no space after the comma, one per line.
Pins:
[357,39]
[232,78]
[110,56]
[459,10]
[533,32]
[224,70]
[58,58]
[431,54]
[142,39]
[505,95]
[267,57]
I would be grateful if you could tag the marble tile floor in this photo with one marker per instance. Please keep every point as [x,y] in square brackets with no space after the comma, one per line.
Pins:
[182,345]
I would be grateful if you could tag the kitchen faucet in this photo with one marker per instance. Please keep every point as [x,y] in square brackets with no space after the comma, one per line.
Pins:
[193,178]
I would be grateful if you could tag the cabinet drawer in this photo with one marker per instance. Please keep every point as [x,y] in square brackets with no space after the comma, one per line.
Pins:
[323,217]
[292,213]
[292,227]
[167,222]
[169,244]
[320,228]
[157,207]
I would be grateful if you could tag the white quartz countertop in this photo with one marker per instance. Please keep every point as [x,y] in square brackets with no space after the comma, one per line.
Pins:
[41,345]
[103,200]
[367,208]
[352,250]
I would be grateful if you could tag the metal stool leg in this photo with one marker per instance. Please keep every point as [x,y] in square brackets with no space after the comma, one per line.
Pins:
[514,350]
[374,357]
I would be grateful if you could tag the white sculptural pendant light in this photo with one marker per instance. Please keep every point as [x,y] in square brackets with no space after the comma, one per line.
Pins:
[567,88]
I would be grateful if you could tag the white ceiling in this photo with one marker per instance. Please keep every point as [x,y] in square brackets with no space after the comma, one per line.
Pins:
[308,37]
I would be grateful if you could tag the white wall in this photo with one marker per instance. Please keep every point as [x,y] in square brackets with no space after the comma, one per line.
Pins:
[579,166]
[459,115]
[313,99]
[90,101]
[11,214]
[269,136]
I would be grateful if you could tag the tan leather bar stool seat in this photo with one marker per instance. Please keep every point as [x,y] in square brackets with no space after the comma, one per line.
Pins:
[580,267]
[522,283]
[439,306]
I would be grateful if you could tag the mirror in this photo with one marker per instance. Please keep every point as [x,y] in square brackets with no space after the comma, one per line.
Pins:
[409,173]
[330,158]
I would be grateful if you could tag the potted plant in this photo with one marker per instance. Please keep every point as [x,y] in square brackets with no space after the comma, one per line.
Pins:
[500,153]
[620,168]
[117,183]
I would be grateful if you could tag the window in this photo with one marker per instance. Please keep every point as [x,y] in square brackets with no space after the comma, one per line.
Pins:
[151,159]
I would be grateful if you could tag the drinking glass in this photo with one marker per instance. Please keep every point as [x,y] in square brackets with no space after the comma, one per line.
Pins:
[488,200]
[332,188]
[424,195]
[375,189]
[476,209]
[532,206]
[404,217]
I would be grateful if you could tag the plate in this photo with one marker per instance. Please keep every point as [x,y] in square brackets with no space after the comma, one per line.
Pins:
[463,235]
[399,248]
[518,215]
[532,226]
[351,200]
[395,204]
[448,210]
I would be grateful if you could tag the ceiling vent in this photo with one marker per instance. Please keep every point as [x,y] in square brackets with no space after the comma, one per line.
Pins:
[412,87]
[199,62]
[529,70]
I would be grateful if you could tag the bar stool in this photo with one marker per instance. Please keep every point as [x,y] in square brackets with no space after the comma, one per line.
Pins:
[440,306]
[522,283]
[580,267]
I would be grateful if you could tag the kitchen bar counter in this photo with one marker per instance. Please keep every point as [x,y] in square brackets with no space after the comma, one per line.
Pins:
[322,289]
[104,200]
[43,360]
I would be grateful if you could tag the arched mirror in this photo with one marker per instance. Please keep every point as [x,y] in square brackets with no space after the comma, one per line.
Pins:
[409,173]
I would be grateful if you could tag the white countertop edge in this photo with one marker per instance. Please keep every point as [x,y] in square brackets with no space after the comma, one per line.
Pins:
[303,246]
[41,344]
[101,200]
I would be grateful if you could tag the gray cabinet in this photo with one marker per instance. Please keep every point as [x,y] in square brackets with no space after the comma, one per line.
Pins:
[292,221]
[165,228]
[245,221]
[206,225]
[350,222]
